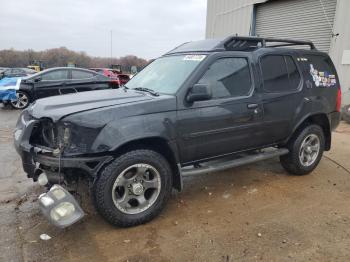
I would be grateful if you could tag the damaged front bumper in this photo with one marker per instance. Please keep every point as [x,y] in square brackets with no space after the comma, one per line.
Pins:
[57,205]
[35,156]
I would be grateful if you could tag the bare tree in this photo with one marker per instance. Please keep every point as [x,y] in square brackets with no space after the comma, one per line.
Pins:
[62,56]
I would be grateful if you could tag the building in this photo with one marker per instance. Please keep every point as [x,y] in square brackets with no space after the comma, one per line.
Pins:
[325,22]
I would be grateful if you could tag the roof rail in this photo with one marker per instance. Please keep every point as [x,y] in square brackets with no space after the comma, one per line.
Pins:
[252,42]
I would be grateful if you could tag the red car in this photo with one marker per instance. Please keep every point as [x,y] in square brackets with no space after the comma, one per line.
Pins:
[111,73]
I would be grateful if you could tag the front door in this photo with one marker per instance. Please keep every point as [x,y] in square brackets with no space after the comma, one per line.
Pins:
[229,121]
[50,83]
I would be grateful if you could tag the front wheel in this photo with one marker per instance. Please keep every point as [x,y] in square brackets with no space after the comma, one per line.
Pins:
[305,151]
[22,100]
[134,188]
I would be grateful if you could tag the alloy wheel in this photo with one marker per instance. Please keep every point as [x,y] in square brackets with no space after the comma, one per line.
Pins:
[21,101]
[136,188]
[309,150]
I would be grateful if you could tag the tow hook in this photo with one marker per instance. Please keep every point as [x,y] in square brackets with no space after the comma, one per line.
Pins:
[60,207]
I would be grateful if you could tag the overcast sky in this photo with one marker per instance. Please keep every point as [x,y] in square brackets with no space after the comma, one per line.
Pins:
[146,28]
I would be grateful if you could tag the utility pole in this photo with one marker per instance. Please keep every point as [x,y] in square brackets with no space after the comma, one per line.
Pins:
[111,46]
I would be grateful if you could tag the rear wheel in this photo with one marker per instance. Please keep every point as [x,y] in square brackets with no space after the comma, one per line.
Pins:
[134,188]
[305,151]
[22,101]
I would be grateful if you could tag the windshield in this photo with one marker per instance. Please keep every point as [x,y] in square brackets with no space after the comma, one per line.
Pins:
[166,74]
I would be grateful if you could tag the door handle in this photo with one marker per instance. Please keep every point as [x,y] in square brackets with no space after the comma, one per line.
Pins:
[252,106]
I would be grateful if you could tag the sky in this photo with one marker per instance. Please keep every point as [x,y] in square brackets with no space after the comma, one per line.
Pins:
[146,28]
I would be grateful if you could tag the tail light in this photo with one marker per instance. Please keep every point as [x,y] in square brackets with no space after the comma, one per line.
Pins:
[338,103]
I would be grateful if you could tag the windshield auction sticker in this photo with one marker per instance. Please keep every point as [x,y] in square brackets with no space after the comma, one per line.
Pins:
[194,57]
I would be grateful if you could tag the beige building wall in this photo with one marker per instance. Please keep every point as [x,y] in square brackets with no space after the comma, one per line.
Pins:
[340,44]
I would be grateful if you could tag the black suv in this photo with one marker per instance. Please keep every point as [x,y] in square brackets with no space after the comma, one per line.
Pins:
[235,101]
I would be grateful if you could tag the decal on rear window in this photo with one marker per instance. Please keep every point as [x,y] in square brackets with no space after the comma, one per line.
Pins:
[322,78]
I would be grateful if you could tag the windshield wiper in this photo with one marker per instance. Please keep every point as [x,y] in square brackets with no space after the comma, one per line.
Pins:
[148,90]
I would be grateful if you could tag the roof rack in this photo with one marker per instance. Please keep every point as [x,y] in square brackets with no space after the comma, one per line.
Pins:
[251,42]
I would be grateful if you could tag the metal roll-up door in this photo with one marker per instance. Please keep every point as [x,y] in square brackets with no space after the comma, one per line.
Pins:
[297,19]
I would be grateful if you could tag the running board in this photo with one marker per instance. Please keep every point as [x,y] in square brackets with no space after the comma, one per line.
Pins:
[242,159]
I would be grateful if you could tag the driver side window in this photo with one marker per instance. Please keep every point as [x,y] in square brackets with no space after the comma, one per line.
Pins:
[55,75]
[228,77]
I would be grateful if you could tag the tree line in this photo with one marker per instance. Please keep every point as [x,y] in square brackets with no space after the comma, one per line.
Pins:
[63,56]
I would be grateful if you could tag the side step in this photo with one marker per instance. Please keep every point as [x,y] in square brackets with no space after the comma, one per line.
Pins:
[239,160]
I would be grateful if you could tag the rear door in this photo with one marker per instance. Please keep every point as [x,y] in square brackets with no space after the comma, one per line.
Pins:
[50,83]
[282,95]
[228,122]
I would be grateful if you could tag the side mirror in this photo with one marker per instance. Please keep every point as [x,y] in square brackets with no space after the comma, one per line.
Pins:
[38,79]
[199,92]
[2,75]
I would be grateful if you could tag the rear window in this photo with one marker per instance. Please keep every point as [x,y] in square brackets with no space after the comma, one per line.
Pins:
[322,70]
[280,73]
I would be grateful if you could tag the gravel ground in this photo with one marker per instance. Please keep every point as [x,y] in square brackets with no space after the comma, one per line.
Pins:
[250,213]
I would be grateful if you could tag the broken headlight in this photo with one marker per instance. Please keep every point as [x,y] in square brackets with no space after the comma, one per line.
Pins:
[60,207]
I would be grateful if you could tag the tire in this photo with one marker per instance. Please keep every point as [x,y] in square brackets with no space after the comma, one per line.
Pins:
[23,100]
[112,188]
[297,161]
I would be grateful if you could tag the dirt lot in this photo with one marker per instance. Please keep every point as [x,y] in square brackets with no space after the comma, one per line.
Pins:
[251,213]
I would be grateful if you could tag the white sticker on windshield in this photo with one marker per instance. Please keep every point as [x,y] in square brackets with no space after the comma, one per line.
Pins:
[194,57]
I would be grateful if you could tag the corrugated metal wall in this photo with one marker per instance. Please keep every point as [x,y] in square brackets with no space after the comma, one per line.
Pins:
[229,17]
[297,19]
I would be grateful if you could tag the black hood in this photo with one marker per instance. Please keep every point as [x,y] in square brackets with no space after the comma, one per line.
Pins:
[57,107]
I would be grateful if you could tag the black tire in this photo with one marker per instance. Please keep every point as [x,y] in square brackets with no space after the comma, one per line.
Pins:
[102,190]
[21,106]
[291,162]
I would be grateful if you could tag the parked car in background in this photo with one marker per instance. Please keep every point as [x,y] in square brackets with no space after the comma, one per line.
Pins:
[2,69]
[59,81]
[16,72]
[111,73]
[346,113]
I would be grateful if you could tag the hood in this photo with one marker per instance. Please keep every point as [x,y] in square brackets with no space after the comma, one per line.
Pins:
[56,107]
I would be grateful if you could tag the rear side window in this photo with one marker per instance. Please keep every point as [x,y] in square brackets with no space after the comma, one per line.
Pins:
[280,73]
[77,74]
[228,77]
[322,70]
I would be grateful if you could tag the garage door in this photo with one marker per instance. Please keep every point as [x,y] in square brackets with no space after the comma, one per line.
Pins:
[297,19]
